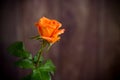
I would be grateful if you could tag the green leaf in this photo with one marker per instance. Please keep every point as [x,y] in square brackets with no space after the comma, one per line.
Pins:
[48,67]
[30,57]
[28,77]
[36,58]
[17,49]
[25,64]
[45,75]
[36,75]
[40,75]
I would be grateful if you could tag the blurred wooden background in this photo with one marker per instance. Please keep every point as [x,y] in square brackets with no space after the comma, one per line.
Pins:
[89,48]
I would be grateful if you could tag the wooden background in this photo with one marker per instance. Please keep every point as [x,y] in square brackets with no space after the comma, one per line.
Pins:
[89,48]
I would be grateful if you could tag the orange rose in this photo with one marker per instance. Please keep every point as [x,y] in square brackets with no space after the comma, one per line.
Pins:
[49,29]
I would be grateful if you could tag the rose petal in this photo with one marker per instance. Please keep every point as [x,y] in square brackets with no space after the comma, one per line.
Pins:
[49,29]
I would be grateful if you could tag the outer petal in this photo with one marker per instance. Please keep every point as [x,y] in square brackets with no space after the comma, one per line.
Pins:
[47,38]
[56,24]
[44,21]
[49,29]
[58,32]
[55,39]
[40,30]
[46,31]
[51,40]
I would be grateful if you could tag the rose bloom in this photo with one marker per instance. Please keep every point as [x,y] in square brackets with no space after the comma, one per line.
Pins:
[49,29]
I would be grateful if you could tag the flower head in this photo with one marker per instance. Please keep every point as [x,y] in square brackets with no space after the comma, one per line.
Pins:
[49,29]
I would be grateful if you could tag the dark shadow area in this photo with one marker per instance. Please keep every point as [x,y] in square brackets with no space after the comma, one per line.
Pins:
[89,49]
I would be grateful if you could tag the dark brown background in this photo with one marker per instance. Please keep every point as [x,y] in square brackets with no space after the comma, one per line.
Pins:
[89,48]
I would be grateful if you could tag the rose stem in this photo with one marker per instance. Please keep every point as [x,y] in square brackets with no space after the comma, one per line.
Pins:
[40,52]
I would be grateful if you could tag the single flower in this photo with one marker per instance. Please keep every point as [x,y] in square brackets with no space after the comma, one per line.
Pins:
[49,29]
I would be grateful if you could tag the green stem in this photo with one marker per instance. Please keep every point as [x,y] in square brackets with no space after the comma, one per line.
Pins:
[40,52]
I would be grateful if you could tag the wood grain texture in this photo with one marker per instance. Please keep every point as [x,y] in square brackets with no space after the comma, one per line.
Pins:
[89,48]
